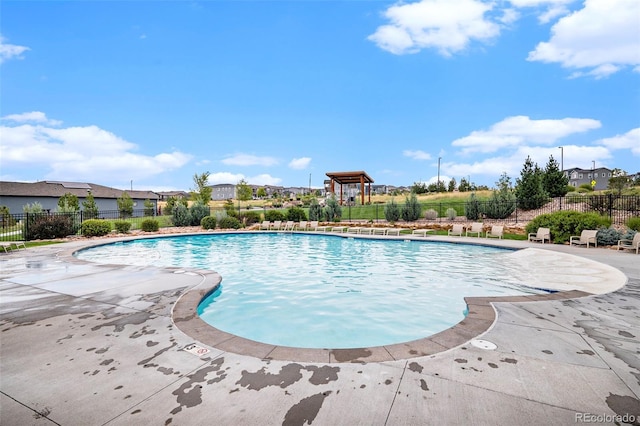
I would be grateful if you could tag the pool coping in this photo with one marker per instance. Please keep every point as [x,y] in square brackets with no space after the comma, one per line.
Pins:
[480,318]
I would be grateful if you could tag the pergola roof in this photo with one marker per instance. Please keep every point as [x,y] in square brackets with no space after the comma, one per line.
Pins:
[346,178]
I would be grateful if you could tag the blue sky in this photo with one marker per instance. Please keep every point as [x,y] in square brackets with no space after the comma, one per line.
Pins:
[282,92]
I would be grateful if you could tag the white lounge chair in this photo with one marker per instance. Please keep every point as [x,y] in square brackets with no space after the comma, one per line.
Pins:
[422,232]
[542,235]
[302,225]
[11,244]
[289,225]
[277,224]
[354,230]
[587,236]
[339,228]
[457,230]
[476,228]
[633,244]
[379,231]
[497,231]
[265,225]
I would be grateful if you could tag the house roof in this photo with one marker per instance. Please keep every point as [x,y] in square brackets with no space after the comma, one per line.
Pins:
[58,189]
[350,177]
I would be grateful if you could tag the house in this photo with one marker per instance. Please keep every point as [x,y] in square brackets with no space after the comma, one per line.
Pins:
[165,195]
[598,178]
[15,195]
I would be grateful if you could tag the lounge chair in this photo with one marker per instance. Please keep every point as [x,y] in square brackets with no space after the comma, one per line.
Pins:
[354,230]
[379,231]
[542,235]
[289,225]
[456,230]
[633,244]
[587,236]
[496,231]
[339,229]
[11,244]
[277,224]
[366,231]
[422,232]
[394,231]
[302,225]
[476,228]
[265,225]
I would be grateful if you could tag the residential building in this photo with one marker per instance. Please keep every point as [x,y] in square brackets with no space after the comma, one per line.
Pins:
[598,178]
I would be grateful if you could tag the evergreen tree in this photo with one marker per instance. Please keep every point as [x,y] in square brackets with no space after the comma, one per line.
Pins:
[618,181]
[472,207]
[503,200]
[202,192]
[529,190]
[554,181]
[68,203]
[411,211]
[452,185]
[315,210]
[392,211]
[333,211]
[149,208]
[90,207]
[125,205]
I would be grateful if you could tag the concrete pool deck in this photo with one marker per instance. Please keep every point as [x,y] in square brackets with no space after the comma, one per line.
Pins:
[89,344]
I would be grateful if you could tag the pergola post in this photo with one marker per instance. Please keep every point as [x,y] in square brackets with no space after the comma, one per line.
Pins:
[351,178]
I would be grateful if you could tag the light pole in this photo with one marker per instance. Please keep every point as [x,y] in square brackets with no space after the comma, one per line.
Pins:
[561,158]
[438,185]
[309,183]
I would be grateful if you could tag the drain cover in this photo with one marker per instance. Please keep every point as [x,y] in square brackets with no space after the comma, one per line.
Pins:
[484,344]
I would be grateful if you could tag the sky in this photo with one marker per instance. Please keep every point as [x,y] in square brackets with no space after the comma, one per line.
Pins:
[147,94]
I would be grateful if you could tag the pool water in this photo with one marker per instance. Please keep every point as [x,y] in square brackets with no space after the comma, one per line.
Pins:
[323,291]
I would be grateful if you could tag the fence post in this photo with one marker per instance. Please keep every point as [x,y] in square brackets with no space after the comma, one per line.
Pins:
[610,206]
[25,228]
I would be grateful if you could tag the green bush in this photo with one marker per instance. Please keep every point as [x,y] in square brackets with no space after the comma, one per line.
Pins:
[315,210]
[230,222]
[197,212]
[296,214]
[392,211]
[431,214]
[122,226]
[95,227]
[249,218]
[564,224]
[411,210]
[181,216]
[634,223]
[500,205]
[150,225]
[273,215]
[47,227]
[451,213]
[472,209]
[208,222]
[608,236]
[333,210]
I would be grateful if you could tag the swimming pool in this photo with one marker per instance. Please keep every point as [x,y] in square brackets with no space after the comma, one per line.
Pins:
[325,291]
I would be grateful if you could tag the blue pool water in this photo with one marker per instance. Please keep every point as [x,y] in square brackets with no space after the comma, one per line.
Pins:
[323,291]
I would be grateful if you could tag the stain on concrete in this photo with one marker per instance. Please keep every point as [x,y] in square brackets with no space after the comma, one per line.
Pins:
[288,375]
[189,394]
[423,385]
[415,367]
[323,375]
[157,354]
[547,351]
[388,382]
[136,411]
[305,411]
[102,350]
[509,360]
[625,405]
[43,413]
[107,361]
[460,360]
[492,365]
[586,352]
[625,334]
[67,337]
[120,322]
[353,355]
[145,331]
[152,343]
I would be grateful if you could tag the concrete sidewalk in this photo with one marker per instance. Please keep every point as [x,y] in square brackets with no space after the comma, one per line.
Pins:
[89,344]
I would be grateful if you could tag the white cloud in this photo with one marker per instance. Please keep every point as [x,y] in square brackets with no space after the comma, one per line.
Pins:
[264,179]
[300,163]
[548,9]
[629,140]
[518,130]
[249,160]
[225,177]
[416,155]
[33,117]
[445,25]
[601,38]
[80,153]
[10,51]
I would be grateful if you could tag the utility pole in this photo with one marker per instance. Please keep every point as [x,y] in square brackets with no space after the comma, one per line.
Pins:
[438,185]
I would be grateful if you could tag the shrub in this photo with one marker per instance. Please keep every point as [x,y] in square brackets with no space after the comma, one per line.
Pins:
[150,225]
[411,210]
[296,214]
[392,211]
[315,210]
[249,218]
[95,228]
[196,212]
[431,214]
[208,222]
[230,222]
[272,215]
[122,226]
[5,216]
[564,224]
[472,208]
[181,216]
[220,214]
[46,227]
[333,211]
[500,205]
[634,223]
[608,236]
[451,213]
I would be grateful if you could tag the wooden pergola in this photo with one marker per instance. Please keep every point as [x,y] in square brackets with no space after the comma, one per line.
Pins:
[349,178]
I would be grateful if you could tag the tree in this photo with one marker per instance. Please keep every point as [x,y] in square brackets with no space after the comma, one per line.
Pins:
[125,205]
[472,208]
[618,181]
[90,208]
[419,188]
[68,203]
[411,211]
[202,191]
[529,190]
[333,211]
[262,192]
[503,200]
[464,185]
[172,202]
[392,211]
[315,210]
[452,185]
[149,208]
[243,191]
[554,180]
